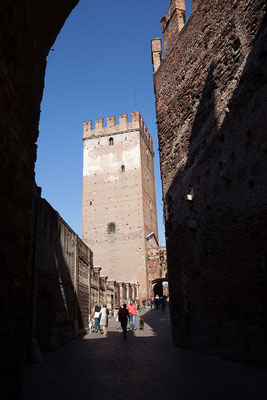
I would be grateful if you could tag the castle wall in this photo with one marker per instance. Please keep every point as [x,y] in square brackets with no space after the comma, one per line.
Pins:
[113,195]
[211,111]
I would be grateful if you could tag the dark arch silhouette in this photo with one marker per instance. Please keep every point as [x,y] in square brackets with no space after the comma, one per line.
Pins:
[158,289]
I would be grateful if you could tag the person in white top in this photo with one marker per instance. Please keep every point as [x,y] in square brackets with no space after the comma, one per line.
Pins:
[97,311]
[104,319]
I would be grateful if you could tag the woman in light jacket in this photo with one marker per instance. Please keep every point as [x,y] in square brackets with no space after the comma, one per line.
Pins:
[104,319]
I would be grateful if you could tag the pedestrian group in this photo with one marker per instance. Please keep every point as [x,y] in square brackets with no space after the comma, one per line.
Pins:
[127,312]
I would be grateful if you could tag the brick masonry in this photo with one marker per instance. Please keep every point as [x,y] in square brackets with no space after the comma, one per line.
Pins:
[211,112]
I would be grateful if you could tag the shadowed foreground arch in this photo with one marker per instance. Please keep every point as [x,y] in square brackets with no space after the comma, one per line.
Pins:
[158,289]
[28,30]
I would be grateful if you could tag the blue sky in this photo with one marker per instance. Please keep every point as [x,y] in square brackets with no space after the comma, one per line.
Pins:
[101,54]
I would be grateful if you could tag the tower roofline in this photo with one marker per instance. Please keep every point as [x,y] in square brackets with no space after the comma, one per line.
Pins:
[111,128]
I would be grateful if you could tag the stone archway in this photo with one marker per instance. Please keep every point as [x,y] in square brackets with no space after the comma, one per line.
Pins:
[158,289]
[158,286]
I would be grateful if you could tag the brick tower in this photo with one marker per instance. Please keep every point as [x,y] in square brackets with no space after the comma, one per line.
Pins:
[119,202]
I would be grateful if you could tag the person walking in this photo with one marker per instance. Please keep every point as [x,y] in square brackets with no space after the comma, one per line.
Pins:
[163,303]
[151,303]
[104,319]
[123,318]
[132,311]
[97,311]
[157,301]
[144,304]
[118,314]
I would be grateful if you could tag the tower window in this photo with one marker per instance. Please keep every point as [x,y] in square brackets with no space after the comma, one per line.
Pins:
[111,227]
[123,168]
[111,141]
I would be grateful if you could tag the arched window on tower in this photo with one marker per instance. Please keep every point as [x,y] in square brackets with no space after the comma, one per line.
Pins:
[111,227]
[123,168]
[111,141]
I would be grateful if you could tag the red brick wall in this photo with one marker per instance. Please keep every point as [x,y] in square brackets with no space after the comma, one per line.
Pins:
[211,113]
[172,24]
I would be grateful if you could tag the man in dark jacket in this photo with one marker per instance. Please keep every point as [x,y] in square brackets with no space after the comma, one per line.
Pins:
[123,318]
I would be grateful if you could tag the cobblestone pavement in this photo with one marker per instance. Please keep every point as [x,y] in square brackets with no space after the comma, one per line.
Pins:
[144,366]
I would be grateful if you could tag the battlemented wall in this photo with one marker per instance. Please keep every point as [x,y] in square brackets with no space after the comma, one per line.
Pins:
[119,189]
[211,111]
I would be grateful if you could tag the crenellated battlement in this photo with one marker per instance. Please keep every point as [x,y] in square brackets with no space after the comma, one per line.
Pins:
[171,26]
[111,128]
[172,23]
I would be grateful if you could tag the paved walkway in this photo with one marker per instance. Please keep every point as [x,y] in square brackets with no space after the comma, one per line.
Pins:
[144,366]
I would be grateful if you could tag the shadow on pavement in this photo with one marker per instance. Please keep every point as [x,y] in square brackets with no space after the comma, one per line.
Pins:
[145,365]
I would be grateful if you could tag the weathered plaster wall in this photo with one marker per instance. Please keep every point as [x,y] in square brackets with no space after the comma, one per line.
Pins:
[28,30]
[123,197]
[211,113]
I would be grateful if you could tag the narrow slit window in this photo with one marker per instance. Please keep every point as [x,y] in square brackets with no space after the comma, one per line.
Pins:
[123,168]
[111,228]
[111,141]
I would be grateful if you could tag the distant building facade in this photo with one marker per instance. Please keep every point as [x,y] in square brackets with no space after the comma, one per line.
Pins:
[119,202]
